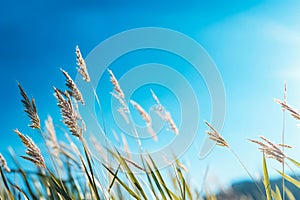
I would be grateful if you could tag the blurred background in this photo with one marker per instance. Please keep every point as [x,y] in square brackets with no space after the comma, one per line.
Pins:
[255,45]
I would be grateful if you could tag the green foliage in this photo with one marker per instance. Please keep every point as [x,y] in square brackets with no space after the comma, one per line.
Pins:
[266,179]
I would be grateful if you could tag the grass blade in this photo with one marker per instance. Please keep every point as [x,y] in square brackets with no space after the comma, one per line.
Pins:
[156,181]
[59,188]
[276,194]
[294,162]
[114,178]
[290,179]
[161,180]
[124,185]
[132,177]
[289,194]
[266,179]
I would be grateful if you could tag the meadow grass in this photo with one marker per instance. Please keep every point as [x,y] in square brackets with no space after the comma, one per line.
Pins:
[73,172]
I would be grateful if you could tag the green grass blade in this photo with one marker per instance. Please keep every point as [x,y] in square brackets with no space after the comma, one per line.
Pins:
[131,175]
[185,187]
[295,162]
[180,181]
[88,176]
[276,194]
[148,177]
[26,180]
[289,194]
[114,178]
[74,184]
[161,180]
[158,185]
[58,187]
[290,179]
[124,185]
[266,179]
[92,178]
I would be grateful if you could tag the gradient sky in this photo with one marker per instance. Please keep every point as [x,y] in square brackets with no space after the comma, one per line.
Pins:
[255,45]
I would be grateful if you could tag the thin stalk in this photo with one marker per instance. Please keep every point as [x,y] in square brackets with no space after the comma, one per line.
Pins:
[99,104]
[282,138]
[244,167]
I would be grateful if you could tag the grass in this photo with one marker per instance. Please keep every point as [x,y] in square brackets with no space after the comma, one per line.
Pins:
[73,172]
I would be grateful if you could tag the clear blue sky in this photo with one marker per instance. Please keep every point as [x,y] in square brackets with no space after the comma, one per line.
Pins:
[255,45]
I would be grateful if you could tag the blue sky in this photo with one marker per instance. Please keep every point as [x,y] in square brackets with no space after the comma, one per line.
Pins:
[255,45]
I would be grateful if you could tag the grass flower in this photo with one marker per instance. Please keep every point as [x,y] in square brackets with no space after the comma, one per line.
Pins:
[73,90]
[146,117]
[33,152]
[215,136]
[68,113]
[164,114]
[82,69]
[270,149]
[3,163]
[295,113]
[30,109]
[116,85]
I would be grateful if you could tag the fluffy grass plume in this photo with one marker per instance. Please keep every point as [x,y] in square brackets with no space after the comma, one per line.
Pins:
[215,136]
[270,149]
[67,112]
[33,152]
[30,109]
[82,69]
[294,113]
[163,113]
[3,163]
[73,90]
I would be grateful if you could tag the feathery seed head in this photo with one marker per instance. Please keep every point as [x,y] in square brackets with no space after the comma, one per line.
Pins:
[294,113]
[116,85]
[33,152]
[30,109]
[68,113]
[82,69]
[73,90]
[270,149]
[3,163]
[215,136]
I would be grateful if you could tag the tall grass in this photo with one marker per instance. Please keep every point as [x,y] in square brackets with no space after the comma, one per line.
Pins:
[74,172]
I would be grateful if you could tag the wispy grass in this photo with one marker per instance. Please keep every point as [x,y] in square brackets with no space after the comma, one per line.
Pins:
[79,174]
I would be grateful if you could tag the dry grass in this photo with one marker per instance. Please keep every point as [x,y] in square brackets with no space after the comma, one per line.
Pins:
[146,117]
[271,150]
[83,174]
[82,69]
[3,163]
[30,109]
[73,90]
[294,113]
[34,153]
[163,113]
[117,87]
[215,136]
[68,113]
[141,111]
